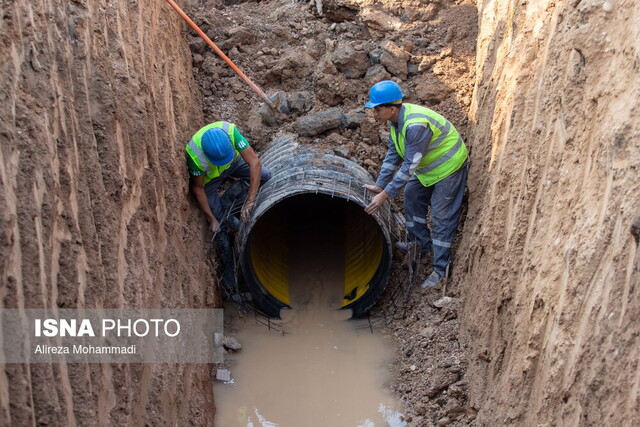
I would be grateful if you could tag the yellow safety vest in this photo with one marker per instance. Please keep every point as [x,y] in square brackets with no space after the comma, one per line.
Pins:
[446,151]
[194,149]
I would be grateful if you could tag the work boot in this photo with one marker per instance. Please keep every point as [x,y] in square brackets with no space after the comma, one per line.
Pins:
[432,281]
[404,247]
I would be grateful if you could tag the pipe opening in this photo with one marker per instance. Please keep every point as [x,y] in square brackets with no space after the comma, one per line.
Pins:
[307,223]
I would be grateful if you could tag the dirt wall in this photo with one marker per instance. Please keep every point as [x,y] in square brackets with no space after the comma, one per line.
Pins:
[550,247]
[97,102]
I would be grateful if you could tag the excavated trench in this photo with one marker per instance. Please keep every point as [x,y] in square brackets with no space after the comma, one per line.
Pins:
[541,327]
[313,188]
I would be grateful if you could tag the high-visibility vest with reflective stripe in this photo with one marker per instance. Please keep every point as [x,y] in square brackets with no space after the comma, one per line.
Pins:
[446,151]
[194,149]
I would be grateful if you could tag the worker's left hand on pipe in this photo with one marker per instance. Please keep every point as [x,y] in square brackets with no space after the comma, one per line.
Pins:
[376,203]
[373,188]
[246,210]
[214,225]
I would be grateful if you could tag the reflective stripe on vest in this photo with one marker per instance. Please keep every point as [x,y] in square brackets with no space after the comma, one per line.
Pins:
[194,149]
[446,152]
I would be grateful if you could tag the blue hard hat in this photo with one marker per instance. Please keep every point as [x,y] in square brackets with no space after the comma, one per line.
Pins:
[216,145]
[384,92]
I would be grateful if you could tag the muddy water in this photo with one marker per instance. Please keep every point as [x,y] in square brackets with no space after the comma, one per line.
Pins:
[325,370]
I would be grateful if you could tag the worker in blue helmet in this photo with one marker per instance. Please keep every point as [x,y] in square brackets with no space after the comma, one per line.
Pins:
[426,156]
[216,152]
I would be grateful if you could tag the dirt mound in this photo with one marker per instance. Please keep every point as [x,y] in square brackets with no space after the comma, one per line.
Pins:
[330,59]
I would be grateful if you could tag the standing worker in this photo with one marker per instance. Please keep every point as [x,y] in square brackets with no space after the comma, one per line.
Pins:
[433,170]
[216,152]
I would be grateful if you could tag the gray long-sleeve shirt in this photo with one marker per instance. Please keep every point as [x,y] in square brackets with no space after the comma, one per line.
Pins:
[416,143]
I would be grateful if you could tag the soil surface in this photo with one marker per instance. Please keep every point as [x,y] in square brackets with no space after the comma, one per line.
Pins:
[549,254]
[94,206]
[330,60]
[326,62]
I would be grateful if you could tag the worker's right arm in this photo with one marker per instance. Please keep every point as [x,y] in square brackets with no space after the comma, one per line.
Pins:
[416,142]
[391,161]
[197,186]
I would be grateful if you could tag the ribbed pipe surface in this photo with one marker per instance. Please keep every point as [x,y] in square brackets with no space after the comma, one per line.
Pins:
[307,185]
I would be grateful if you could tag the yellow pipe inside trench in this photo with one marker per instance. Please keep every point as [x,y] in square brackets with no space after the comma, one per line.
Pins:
[270,242]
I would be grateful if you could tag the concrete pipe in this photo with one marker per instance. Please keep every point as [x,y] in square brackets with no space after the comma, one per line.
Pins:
[311,186]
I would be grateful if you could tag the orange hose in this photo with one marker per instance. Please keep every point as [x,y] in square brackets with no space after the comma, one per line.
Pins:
[221,54]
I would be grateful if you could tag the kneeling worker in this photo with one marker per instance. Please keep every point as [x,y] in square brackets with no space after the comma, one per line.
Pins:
[216,152]
[433,169]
